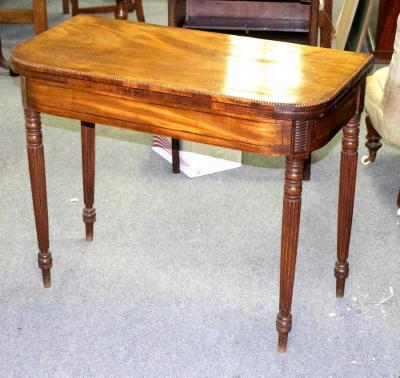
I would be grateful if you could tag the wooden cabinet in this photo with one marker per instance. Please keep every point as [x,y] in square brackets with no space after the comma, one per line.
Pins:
[290,20]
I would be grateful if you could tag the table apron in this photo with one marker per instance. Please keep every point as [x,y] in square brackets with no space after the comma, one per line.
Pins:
[323,129]
[269,136]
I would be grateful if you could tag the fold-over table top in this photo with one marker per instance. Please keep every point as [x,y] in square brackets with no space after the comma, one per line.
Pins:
[226,68]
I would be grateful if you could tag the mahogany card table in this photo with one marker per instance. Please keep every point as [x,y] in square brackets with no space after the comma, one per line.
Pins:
[254,95]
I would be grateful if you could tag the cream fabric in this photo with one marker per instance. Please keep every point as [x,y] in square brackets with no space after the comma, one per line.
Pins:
[382,100]
[374,98]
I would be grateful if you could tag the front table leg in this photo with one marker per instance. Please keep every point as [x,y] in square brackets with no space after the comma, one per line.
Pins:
[348,170]
[290,233]
[39,194]
[88,171]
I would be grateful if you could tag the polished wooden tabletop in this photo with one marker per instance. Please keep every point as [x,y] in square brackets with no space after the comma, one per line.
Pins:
[171,60]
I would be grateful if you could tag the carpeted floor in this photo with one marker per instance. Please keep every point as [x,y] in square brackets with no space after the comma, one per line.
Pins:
[181,279]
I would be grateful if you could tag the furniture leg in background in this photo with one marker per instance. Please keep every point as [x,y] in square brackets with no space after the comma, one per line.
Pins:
[388,13]
[373,142]
[36,16]
[88,173]
[121,13]
[175,145]
[326,24]
[121,8]
[65,6]
[307,169]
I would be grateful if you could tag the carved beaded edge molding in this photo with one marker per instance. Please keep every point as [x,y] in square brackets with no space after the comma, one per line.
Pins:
[43,68]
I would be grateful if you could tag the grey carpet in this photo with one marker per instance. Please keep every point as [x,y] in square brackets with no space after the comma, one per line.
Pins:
[181,279]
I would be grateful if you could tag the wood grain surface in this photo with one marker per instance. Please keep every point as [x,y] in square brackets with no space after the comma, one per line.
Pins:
[171,60]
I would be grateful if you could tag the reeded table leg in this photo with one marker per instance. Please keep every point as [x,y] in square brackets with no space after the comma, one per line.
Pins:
[348,170]
[39,194]
[290,233]
[88,171]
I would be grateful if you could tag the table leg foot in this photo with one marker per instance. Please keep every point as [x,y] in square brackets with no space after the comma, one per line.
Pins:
[45,263]
[46,278]
[347,185]
[89,231]
[88,174]
[282,342]
[341,273]
[290,234]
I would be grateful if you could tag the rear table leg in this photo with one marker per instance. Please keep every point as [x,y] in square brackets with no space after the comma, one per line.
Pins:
[88,172]
[175,155]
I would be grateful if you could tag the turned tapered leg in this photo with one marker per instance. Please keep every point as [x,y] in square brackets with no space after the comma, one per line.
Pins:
[373,140]
[39,194]
[348,170]
[139,10]
[175,143]
[121,11]
[290,233]
[88,172]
